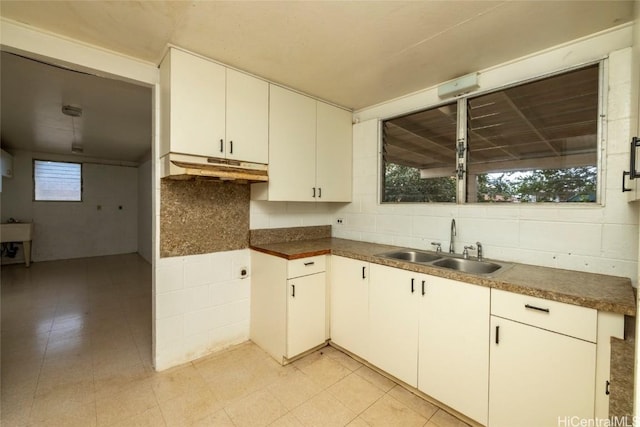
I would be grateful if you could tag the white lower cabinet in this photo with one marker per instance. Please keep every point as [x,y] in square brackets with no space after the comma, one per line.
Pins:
[497,357]
[540,377]
[305,313]
[350,304]
[287,304]
[393,321]
[453,362]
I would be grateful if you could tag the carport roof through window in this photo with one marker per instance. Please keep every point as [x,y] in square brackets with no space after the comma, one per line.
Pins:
[532,142]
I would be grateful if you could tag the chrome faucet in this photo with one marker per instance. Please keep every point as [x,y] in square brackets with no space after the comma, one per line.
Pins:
[438,246]
[465,253]
[480,254]
[453,233]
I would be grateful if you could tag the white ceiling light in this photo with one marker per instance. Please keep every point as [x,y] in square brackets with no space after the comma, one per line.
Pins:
[72,110]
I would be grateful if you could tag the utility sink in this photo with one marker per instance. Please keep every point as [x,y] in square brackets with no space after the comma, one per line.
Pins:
[411,256]
[16,232]
[468,265]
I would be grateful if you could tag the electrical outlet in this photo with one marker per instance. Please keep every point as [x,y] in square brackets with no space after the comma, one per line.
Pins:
[244,272]
[340,221]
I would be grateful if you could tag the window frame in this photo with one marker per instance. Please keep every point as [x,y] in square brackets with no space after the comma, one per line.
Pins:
[33,180]
[461,136]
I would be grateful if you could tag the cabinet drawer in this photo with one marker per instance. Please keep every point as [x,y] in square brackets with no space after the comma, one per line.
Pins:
[567,319]
[306,266]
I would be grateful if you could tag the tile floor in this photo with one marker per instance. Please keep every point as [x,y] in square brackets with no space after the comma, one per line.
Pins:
[76,350]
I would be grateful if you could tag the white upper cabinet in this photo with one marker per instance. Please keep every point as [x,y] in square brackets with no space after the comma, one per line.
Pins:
[333,153]
[310,150]
[192,103]
[292,146]
[209,110]
[247,130]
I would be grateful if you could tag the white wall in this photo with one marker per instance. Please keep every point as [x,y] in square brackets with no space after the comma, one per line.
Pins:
[145,213]
[265,214]
[64,230]
[202,305]
[602,239]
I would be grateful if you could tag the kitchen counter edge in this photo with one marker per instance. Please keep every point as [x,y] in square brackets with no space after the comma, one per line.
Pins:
[592,290]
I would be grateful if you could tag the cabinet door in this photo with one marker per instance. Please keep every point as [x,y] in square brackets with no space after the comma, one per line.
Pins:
[247,130]
[333,153]
[292,146]
[454,345]
[305,313]
[393,322]
[196,104]
[538,377]
[350,304]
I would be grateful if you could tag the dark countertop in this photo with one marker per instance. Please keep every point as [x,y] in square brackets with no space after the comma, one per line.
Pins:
[601,292]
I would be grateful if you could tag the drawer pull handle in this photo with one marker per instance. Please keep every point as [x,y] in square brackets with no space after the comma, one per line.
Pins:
[363,270]
[533,307]
[606,390]
[412,289]
[497,334]
[423,292]
[307,264]
[221,146]
[293,291]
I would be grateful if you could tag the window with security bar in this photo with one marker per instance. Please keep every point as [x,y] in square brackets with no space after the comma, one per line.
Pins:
[57,181]
[529,143]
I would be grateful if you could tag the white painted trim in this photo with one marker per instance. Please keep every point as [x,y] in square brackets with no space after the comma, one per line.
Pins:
[35,43]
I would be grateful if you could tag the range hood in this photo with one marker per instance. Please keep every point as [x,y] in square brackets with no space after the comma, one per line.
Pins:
[184,166]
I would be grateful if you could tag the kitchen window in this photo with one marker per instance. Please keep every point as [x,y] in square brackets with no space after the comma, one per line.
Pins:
[57,181]
[529,143]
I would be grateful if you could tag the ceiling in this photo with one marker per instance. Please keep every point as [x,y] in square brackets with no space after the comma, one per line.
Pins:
[352,53]
[115,122]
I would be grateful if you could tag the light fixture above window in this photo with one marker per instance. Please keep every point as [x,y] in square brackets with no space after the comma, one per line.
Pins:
[459,86]
[72,110]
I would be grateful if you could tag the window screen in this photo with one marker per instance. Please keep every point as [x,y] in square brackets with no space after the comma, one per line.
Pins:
[57,181]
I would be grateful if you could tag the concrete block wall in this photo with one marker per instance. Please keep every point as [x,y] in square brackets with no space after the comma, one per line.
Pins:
[265,214]
[600,238]
[95,226]
[202,305]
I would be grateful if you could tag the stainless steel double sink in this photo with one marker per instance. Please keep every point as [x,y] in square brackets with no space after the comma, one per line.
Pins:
[450,262]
